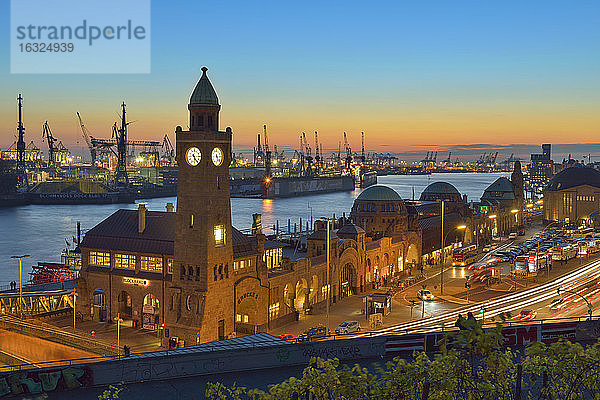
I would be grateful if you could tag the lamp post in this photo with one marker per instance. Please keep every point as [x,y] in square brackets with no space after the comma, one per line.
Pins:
[328,268]
[21,282]
[460,227]
[578,294]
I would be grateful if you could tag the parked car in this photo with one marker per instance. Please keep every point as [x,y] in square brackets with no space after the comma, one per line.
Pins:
[314,333]
[512,236]
[348,327]
[425,295]
[288,337]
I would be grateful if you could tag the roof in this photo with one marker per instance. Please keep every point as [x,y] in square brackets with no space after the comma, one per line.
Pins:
[440,188]
[574,176]
[379,193]
[350,229]
[236,344]
[501,189]
[204,93]
[120,232]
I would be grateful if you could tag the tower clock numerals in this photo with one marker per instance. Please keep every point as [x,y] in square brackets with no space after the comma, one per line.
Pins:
[217,156]
[193,156]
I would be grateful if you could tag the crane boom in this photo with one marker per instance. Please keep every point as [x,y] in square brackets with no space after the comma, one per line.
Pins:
[87,139]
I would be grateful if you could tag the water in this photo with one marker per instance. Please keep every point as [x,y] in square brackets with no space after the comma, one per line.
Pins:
[41,230]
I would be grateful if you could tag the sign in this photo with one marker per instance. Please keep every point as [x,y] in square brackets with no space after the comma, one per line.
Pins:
[253,295]
[136,281]
[532,262]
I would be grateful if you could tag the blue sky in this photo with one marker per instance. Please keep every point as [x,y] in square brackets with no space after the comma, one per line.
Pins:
[410,74]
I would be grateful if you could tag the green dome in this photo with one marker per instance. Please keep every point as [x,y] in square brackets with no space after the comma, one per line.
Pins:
[379,193]
[441,188]
[204,93]
[574,176]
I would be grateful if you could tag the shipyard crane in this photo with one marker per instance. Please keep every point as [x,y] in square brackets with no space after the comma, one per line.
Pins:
[22,176]
[448,161]
[348,163]
[362,142]
[168,151]
[120,134]
[47,134]
[86,137]
[317,155]
[308,156]
[267,153]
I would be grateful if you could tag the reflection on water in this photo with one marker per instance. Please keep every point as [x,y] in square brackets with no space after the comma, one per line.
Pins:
[41,230]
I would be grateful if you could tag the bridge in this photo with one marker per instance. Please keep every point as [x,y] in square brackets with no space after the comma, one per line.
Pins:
[39,300]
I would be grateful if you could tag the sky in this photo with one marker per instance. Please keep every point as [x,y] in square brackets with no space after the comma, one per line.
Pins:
[413,75]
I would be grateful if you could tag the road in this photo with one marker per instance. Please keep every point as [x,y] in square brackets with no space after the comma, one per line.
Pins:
[583,280]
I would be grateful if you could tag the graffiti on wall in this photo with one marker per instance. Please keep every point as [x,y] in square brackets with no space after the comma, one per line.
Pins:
[40,381]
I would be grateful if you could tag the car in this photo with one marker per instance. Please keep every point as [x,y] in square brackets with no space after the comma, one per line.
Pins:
[425,295]
[512,236]
[525,315]
[288,337]
[557,303]
[348,327]
[314,333]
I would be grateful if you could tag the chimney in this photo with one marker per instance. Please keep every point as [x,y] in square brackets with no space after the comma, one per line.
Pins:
[170,207]
[141,218]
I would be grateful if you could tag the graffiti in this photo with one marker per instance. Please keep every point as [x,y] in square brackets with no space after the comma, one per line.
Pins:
[282,355]
[36,382]
[332,352]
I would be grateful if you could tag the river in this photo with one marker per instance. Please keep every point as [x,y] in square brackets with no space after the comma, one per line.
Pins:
[41,230]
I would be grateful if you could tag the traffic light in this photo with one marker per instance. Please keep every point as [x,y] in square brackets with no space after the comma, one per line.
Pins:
[467,285]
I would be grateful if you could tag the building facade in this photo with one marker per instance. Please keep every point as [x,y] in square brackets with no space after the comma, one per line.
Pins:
[194,276]
[541,169]
[573,197]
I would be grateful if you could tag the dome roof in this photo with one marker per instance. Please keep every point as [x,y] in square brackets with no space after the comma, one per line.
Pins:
[350,229]
[321,234]
[379,193]
[204,93]
[441,188]
[574,176]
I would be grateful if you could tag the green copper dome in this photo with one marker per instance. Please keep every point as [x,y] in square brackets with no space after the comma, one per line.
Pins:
[204,93]
[379,193]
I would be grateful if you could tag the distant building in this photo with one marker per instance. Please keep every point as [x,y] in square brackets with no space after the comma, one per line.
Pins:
[503,201]
[541,169]
[573,197]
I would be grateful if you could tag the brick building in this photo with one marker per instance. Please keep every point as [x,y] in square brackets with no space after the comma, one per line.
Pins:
[192,271]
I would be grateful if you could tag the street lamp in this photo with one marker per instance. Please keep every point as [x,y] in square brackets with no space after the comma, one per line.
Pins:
[458,228]
[578,294]
[21,282]
[328,268]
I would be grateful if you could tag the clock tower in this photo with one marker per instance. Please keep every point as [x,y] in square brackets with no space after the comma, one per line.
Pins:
[201,295]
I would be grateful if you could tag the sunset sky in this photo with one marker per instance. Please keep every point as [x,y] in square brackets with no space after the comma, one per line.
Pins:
[411,74]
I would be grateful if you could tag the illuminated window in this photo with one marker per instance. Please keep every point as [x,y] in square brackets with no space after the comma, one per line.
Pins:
[126,261]
[241,318]
[100,258]
[274,310]
[191,220]
[169,265]
[151,264]
[219,235]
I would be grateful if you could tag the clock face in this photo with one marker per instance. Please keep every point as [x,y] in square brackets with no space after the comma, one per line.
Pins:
[193,156]
[217,156]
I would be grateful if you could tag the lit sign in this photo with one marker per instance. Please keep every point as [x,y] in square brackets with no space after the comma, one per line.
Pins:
[136,281]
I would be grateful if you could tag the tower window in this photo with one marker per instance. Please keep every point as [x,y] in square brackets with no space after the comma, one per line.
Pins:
[210,121]
[219,232]
[218,184]
[200,120]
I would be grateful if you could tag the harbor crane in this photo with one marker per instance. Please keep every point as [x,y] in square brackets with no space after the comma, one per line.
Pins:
[47,134]
[168,151]
[22,176]
[348,149]
[317,155]
[267,153]
[86,137]
[362,142]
